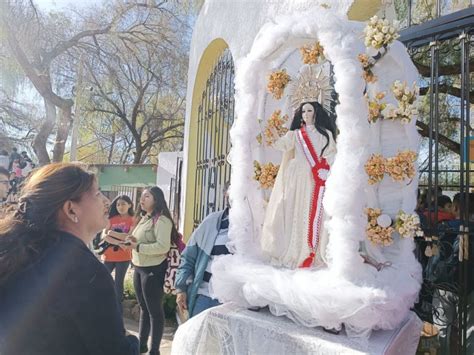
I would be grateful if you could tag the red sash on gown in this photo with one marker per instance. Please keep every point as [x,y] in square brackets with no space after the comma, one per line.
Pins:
[319,170]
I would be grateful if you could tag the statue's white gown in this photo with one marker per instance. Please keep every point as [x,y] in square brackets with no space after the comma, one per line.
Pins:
[285,228]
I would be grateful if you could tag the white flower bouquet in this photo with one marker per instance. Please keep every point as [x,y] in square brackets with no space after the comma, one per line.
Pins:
[406,98]
[380,33]
[408,225]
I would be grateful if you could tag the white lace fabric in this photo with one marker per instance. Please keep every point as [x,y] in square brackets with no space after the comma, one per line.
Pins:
[229,329]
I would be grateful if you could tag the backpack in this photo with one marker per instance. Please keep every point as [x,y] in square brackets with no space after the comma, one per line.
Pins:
[173,258]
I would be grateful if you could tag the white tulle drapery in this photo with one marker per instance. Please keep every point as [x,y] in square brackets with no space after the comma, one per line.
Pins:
[228,330]
[348,291]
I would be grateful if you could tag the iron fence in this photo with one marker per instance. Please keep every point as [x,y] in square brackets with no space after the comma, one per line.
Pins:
[215,118]
[442,50]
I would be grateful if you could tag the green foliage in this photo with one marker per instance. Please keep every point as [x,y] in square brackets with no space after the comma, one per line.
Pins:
[128,289]
[169,304]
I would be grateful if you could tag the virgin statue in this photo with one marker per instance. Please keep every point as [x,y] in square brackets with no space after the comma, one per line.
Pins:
[293,234]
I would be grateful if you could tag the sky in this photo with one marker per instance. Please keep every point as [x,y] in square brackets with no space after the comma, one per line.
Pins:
[59,4]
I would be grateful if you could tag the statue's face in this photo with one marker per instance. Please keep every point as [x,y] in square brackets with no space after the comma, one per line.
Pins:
[307,111]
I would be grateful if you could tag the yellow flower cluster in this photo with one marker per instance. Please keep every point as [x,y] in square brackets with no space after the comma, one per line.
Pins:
[312,53]
[406,98]
[275,125]
[380,33]
[376,107]
[367,65]
[408,225]
[375,233]
[277,82]
[399,167]
[375,168]
[259,138]
[265,174]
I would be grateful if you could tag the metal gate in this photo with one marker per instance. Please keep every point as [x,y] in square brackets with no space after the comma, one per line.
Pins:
[442,49]
[215,118]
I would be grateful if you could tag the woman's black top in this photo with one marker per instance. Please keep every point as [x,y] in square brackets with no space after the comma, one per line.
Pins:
[63,303]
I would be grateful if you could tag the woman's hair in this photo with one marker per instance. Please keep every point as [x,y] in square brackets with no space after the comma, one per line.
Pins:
[322,121]
[161,208]
[113,206]
[28,230]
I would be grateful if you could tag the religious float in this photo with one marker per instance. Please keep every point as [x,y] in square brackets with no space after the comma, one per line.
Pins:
[323,192]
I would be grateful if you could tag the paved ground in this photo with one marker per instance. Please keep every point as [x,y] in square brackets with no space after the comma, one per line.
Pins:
[165,349]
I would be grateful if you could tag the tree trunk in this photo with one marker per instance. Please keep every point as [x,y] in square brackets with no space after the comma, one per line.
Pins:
[111,150]
[64,124]
[41,139]
[424,131]
[138,154]
[145,154]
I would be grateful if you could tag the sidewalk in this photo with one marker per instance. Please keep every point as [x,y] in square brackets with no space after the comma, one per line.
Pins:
[170,328]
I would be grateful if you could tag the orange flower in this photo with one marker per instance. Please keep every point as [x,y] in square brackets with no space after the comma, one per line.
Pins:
[375,168]
[275,124]
[367,65]
[312,53]
[265,174]
[375,233]
[277,82]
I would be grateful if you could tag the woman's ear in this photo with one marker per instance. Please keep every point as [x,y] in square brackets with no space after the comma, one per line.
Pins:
[69,211]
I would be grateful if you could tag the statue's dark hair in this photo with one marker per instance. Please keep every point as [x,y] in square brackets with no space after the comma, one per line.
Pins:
[322,122]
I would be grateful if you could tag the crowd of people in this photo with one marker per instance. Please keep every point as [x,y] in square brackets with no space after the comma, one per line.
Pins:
[19,166]
[439,257]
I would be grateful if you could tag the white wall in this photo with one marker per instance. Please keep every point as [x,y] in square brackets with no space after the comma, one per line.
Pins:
[166,171]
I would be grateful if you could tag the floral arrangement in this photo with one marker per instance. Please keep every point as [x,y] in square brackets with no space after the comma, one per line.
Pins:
[259,138]
[312,53]
[406,98]
[277,82]
[376,233]
[399,167]
[275,125]
[375,168]
[376,107]
[265,174]
[367,65]
[408,225]
[380,33]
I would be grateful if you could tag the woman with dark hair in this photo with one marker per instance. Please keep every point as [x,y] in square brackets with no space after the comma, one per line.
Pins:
[116,258]
[150,244]
[293,233]
[55,296]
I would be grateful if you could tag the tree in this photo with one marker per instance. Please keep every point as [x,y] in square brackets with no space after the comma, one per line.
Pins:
[46,48]
[18,122]
[139,88]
